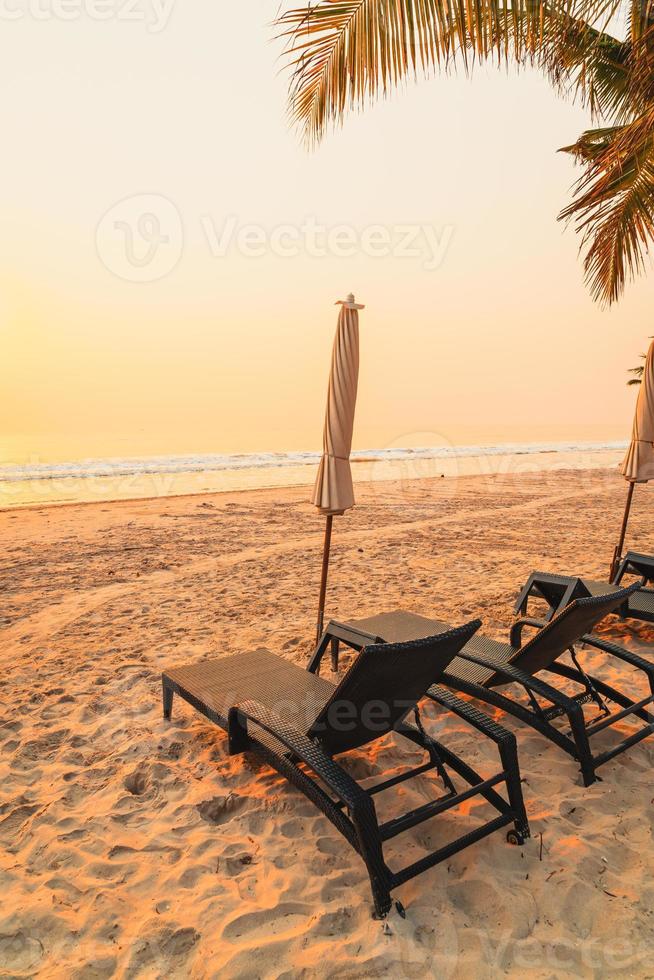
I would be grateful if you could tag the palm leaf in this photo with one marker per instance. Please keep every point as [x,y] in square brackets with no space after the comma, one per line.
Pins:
[614,204]
[342,53]
[638,371]
[592,144]
[592,64]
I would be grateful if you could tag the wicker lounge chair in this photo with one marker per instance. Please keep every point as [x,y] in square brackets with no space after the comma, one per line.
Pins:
[558,590]
[485,664]
[297,721]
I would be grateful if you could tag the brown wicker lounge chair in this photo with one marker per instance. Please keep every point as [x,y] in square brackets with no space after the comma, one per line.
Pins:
[558,590]
[486,664]
[297,721]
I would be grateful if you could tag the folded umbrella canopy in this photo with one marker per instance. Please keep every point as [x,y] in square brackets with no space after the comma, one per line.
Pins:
[333,492]
[638,464]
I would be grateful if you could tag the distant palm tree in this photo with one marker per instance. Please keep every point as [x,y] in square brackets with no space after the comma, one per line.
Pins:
[344,53]
[637,371]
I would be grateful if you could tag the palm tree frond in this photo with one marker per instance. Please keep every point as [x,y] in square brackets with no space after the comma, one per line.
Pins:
[591,144]
[638,371]
[342,53]
[590,64]
[614,204]
[345,52]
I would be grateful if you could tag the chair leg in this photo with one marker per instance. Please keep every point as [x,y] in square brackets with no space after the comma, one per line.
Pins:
[510,765]
[167,701]
[576,744]
[381,897]
[584,754]
[370,849]
[238,739]
[360,828]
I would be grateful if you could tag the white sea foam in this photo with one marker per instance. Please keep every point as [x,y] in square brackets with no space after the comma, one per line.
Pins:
[94,468]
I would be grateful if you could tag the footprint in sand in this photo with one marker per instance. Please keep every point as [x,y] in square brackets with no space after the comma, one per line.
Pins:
[286,920]
[72,893]
[173,751]
[485,904]
[136,783]
[10,725]
[102,871]
[220,809]
[100,969]
[14,822]
[576,815]
[235,861]
[147,783]
[19,953]
[42,749]
[163,953]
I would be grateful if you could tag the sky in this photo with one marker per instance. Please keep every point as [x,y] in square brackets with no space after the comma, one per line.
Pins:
[170,253]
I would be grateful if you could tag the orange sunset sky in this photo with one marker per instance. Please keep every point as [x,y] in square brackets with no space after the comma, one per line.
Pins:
[486,334]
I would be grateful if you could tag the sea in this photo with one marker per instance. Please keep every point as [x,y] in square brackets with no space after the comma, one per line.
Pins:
[37,483]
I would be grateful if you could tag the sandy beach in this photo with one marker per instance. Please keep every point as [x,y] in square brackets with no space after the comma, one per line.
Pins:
[135,847]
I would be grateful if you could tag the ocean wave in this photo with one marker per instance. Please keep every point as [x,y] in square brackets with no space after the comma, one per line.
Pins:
[95,468]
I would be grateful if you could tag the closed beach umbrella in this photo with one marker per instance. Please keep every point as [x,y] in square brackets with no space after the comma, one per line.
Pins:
[333,493]
[638,464]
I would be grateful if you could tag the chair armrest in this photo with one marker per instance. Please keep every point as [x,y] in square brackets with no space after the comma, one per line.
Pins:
[515,635]
[334,777]
[467,712]
[340,633]
[617,651]
[519,677]
[636,564]
[352,636]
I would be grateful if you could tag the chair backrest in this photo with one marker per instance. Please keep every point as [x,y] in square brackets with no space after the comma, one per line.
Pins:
[383,684]
[634,563]
[567,628]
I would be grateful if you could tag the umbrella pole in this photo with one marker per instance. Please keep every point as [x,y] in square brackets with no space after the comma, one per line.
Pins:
[617,554]
[323,576]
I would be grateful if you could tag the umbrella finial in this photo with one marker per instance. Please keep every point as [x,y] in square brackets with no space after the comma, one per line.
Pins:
[349,303]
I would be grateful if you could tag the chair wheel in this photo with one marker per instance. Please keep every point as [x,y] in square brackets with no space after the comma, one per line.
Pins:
[513,837]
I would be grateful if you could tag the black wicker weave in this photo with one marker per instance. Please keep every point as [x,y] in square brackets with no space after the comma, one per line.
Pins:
[641,603]
[297,721]
[486,664]
[558,590]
